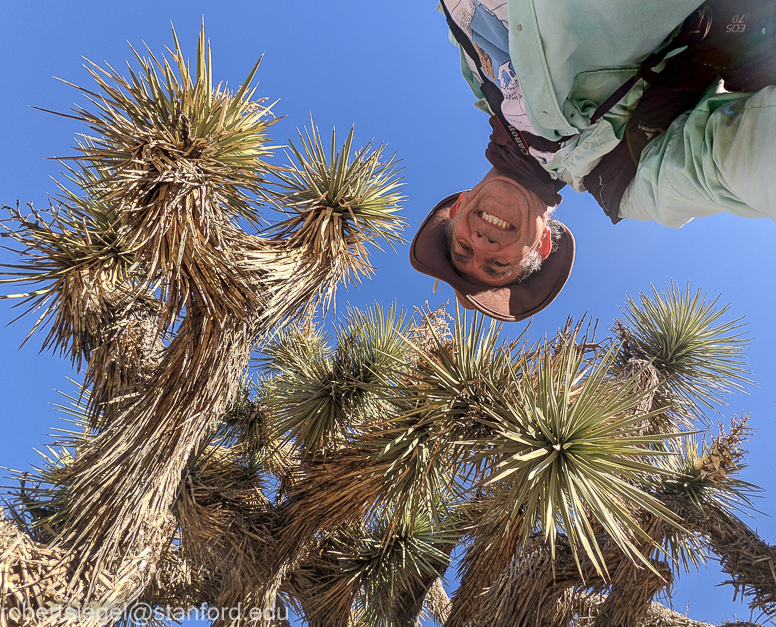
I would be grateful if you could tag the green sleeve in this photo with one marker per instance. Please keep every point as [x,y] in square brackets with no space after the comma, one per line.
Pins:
[719,157]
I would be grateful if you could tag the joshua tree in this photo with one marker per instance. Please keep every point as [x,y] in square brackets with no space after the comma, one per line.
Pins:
[337,475]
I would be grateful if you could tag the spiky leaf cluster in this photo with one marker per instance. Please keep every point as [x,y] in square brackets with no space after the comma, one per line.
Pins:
[165,132]
[170,163]
[702,469]
[699,355]
[570,451]
[80,272]
[392,564]
[338,201]
[323,394]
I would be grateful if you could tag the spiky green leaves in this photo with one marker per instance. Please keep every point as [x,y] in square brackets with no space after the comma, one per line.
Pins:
[394,566]
[248,427]
[706,473]
[706,469]
[370,344]
[454,378]
[325,394]
[170,164]
[158,135]
[444,385]
[569,452]
[338,201]
[180,160]
[77,269]
[699,355]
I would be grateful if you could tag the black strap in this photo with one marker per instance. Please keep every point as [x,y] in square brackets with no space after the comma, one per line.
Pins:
[494,96]
[717,46]
[489,89]
[694,29]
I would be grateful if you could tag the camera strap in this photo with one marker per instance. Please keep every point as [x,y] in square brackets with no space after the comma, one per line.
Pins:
[495,98]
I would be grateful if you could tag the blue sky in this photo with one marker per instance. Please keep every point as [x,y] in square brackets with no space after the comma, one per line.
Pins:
[388,69]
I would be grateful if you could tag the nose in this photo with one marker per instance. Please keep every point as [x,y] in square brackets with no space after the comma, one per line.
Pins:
[483,242]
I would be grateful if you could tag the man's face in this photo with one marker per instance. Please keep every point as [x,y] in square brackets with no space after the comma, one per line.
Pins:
[495,226]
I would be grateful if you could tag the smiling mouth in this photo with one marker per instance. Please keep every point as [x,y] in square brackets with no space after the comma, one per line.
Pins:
[496,221]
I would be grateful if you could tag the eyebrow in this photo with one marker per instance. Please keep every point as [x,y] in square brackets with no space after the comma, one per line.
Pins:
[494,274]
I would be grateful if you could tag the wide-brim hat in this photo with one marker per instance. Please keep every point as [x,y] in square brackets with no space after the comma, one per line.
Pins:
[516,301]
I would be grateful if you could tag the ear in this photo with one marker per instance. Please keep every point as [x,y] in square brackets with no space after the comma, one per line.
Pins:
[454,208]
[545,246]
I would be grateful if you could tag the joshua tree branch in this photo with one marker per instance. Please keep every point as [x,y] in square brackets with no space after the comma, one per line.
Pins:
[632,591]
[438,602]
[427,591]
[588,606]
[744,556]
[527,596]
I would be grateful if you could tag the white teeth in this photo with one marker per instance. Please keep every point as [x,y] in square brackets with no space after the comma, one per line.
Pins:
[503,224]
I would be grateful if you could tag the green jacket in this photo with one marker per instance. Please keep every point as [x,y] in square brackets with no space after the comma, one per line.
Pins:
[570,55]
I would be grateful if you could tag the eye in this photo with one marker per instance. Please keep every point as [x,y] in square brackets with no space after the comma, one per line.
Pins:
[493,273]
[464,247]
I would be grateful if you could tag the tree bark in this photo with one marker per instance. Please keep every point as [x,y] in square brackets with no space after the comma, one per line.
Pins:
[408,608]
[750,562]
[438,602]
[630,597]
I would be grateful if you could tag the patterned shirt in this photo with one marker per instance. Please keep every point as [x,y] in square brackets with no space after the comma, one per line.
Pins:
[485,23]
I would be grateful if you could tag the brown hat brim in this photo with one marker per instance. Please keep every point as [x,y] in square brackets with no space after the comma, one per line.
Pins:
[429,254]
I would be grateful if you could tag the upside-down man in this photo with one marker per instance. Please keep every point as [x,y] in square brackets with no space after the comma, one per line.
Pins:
[662,110]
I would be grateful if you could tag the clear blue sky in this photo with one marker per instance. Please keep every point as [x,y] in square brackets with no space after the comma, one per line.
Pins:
[387,68]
